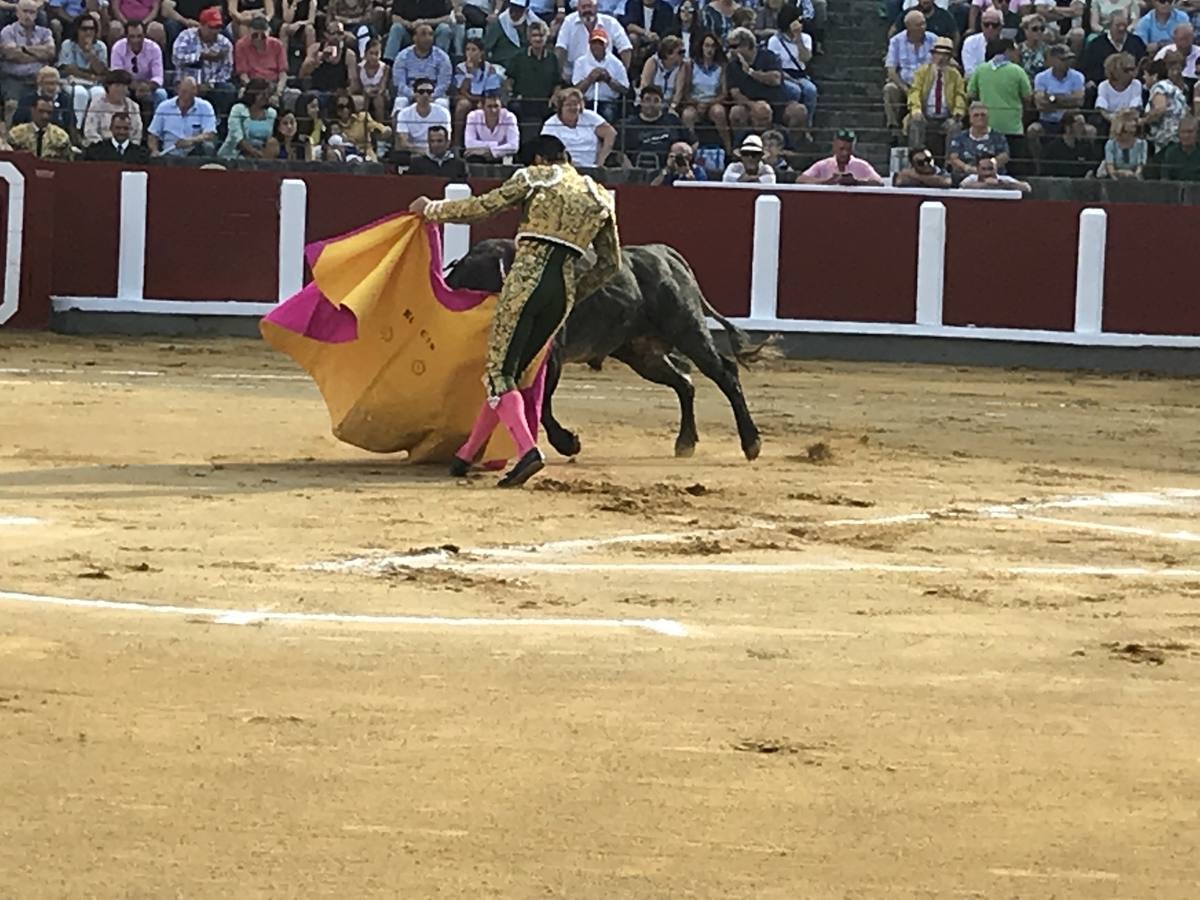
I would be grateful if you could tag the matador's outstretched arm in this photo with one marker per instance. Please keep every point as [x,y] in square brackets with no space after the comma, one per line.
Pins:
[476,209]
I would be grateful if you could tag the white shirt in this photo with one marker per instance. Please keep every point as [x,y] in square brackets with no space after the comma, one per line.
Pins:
[599,90]
[1189,64]
[788,52]
[1108,97]
[974,52]
[573,37]
[581,142]
[415,127]
[931,108]
[735,171]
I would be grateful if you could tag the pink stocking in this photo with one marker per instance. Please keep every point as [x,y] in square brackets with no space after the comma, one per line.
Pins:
[511,410]
[485,424]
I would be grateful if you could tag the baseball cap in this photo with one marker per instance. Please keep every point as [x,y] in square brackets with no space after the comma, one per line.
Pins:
[845,134]
[211,18]
[520,3]
[598,34]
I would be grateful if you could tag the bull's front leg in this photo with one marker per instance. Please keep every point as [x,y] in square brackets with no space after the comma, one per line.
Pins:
[563,441]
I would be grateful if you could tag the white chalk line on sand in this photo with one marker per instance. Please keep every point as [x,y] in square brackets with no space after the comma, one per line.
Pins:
[668,627]
[19,521]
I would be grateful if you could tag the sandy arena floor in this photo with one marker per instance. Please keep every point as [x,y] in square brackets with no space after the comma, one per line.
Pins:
[941,640]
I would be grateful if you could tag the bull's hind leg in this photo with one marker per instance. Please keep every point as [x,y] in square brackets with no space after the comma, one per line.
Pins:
[700,349]
[563,441]
[653,365]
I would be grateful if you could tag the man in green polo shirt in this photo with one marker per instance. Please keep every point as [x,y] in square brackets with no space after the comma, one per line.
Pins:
[1181,162]
[534,76]
[1003,86]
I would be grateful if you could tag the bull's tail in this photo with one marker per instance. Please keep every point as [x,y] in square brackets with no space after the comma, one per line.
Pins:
[744,350]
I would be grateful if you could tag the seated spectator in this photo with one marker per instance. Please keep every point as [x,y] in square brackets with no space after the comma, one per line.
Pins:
[1125,153]
[179,15]
[667,70]
[1120,91]
[978,140]
[1103,11]
[749,168]
[760,93]
[242,14]
[374,81]
[42,137]
[1033,48]
[49,87]
[96,125]
[986,175]
[358,128]
[1165,107]
[717,16]
[601,77]
[143,60]
[298,24]
[492,132]
[438,159]
[922,171]
[1180,161]
[310,120]
[422,61]
[772,17]
[647,135]
[680,167]
[293,146]
[774,146]
[1064,20]
[938,21]
[534,77]
[794,49]
[575,34]
[252,125]
[1117,39]
[1056,90]
[707,91]
[260,56]
[473,77]
[185,125]
[1184,44]
[1075,153]
[118,147]
[82,62]
[843,167]
[507,36]
[144,12]
[1010,16]
[358,18]
[647,22]
[25,47]
[409,15]
[975,47]
[686,27]
[585,134]
[206,55]
[1156,28]
[907,52]
[414,121]
[330,65]
[937,98]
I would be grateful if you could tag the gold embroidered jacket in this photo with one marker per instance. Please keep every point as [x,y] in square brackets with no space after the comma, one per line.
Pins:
[559,206]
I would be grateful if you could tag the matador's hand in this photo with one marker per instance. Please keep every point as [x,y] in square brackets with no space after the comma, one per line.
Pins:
[418,205]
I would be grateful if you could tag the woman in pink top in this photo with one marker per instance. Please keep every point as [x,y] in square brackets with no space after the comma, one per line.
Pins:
[492,131]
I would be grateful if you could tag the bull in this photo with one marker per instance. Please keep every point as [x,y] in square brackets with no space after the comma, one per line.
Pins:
[651,316]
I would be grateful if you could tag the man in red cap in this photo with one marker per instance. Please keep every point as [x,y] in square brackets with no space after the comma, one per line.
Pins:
[601,77]
[206,54]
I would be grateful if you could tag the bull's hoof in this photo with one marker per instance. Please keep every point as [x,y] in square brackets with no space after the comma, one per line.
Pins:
[684,450]
[565,443]
[753,449]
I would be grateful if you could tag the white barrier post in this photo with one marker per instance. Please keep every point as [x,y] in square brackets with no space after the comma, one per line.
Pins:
[456,239]
[131,252]
[1089,272]
[14,238]
[764,269]
[293,224]
[931,263]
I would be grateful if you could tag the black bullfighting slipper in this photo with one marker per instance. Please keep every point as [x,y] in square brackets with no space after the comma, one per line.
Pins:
[459,468]
[527,466]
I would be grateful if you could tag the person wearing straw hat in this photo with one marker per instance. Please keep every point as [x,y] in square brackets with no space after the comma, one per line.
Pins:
[937,97]
[750,168]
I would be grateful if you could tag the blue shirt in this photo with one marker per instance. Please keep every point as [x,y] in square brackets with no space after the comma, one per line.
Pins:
[170,123]
[905,58]
[409,67]
[1048,83]
[1150,30]
[485,82]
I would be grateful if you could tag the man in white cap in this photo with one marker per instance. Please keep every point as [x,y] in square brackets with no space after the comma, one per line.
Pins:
[750,168]
[601,77]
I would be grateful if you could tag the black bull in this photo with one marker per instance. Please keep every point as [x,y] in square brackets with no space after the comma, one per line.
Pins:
[651,310]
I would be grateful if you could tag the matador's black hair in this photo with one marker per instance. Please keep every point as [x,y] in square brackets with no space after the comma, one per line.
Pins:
[548,147]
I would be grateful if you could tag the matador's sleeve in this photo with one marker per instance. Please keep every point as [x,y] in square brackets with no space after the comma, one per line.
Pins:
[476,209]
[607,245]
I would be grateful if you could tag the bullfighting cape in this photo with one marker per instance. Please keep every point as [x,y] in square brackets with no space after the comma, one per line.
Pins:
[397,355]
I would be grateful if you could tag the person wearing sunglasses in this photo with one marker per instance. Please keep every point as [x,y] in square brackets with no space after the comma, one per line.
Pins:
[921,171]
[1033,48]
[975,47]
[414,121]
[563,213]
